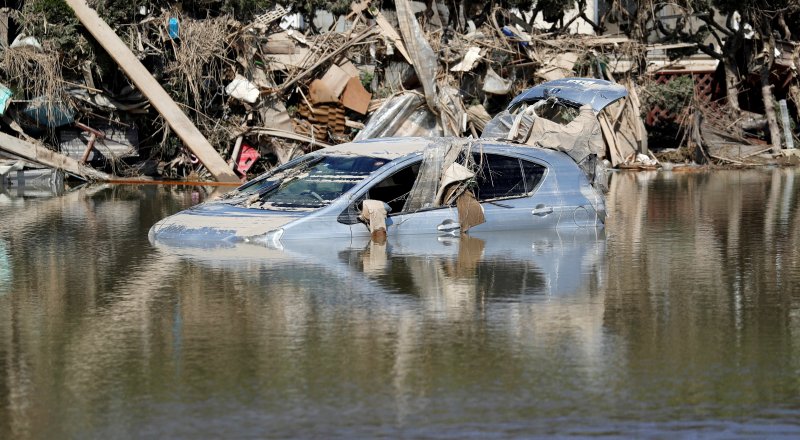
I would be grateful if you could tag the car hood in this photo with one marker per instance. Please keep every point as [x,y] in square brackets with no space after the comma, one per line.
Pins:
[218,222]
[578,91]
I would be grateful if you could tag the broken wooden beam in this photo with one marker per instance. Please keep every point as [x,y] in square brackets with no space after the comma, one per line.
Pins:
[388,31]
[355,40]
[288,135]
[39,154]
[175,117]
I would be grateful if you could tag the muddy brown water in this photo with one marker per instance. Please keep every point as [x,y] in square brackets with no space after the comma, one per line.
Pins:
[681,318]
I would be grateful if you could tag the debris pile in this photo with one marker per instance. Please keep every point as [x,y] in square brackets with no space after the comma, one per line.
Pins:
[160,89]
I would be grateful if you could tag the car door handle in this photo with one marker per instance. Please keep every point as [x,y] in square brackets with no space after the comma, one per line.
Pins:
[448,226]
[542,210]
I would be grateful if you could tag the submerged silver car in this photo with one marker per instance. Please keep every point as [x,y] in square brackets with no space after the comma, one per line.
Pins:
[320,195]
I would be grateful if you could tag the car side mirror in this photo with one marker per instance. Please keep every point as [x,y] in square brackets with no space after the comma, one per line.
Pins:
[359,207]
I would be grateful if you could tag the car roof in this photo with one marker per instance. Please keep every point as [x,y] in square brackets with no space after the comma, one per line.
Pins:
[579,91]
[386,148]
[395,148]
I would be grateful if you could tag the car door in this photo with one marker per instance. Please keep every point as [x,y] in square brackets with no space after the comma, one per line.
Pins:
[441,220]
[391,187]
[516,193]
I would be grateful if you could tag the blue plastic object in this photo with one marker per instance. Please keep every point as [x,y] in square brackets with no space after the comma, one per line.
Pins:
[172,28]
[49,114]
[508,32]
[5,98]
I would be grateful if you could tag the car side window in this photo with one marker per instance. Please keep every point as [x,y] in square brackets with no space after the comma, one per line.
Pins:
[534,173]
[499,177]
[503,176]
[393,190]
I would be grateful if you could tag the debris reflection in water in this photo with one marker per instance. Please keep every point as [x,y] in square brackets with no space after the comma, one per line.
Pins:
[680,318]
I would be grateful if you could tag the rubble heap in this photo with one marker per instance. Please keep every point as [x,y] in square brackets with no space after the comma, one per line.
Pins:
[265,82]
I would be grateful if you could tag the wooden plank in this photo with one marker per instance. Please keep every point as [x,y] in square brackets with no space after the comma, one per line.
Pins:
[388,31]
[611,140]
[4,12]
[127,61]
[641,131]
[288,135]
[39,154]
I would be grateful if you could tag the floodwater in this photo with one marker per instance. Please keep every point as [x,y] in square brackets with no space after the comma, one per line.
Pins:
[681,318]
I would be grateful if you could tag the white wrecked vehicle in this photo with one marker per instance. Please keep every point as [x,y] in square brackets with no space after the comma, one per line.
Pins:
[427,186]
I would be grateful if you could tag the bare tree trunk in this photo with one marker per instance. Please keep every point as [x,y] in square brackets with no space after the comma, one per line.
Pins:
[766,90]
[787,33]
[731,81]
[733,43]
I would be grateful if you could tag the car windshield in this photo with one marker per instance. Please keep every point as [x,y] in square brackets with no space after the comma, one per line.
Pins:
[315,183]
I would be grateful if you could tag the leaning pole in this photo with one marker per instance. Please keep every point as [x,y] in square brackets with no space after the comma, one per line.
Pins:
[158,97]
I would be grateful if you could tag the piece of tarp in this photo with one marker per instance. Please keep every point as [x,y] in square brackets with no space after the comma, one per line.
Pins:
[470,211]
[453,174]
[437,158]
[242,89]
[580,138]
[468,62]
[425,59]
[49,114]
[496,84]
[5,98]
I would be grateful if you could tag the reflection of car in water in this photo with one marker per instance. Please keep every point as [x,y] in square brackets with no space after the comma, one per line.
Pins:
[428,186]
[496,264]
[493,265]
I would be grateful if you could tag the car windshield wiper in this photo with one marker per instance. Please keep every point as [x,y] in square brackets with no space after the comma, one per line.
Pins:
[248,198]
[269,188]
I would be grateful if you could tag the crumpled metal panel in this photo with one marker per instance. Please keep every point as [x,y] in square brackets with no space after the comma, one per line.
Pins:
[578,91]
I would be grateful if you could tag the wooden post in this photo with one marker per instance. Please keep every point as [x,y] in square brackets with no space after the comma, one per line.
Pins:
[94,135]
[766,87]
[237,149]
[4,27]
[127,61]
[787,128]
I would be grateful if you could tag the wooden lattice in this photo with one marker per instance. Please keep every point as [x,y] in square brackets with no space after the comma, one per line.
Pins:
[704,87]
